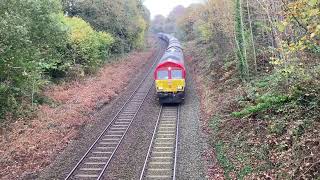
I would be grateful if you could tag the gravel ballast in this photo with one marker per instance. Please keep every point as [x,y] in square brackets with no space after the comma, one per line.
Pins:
[191,140]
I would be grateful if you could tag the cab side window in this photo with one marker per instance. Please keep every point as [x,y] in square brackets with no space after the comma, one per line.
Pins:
[176,74]
[163,75]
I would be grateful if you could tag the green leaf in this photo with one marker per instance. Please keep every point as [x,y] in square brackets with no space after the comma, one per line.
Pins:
[313,2]
[282,26]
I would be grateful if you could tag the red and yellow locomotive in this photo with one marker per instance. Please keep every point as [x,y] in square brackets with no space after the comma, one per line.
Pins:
[170,73]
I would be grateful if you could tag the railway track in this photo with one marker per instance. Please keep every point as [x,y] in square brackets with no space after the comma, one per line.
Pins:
[95,161]
[160,162]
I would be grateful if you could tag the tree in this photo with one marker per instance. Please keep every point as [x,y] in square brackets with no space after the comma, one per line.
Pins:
[241,41]
[252,38]
[125,20]
[157,25]
[31,39]
[188,20]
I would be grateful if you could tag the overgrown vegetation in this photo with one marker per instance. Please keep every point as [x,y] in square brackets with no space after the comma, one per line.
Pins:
[87,48]
[39,42]
[126,20]
[269,52]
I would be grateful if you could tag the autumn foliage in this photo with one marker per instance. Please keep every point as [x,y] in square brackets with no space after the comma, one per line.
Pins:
[42,42]
[260,66]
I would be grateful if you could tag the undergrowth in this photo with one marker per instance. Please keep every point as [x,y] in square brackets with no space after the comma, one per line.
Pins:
[271,131]
[277,133]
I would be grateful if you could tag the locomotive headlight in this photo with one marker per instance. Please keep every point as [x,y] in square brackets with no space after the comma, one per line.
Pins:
[180,87]
[160,88]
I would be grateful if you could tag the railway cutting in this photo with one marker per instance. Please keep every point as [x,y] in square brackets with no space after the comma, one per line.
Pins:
[95,161]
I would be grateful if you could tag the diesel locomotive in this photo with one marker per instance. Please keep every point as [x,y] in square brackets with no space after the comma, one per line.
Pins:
[170,73]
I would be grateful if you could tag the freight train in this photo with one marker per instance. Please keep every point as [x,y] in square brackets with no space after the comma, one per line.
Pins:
[170,73]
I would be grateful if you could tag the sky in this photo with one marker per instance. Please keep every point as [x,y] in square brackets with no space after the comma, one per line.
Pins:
[164,7]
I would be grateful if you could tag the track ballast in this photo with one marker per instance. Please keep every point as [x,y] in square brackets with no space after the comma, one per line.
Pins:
[161,159]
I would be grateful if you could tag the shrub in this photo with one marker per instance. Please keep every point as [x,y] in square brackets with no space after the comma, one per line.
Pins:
[31,37]
[88,47]
[204,31]
[138,36]
[264,102]
[37,40]
[123,19]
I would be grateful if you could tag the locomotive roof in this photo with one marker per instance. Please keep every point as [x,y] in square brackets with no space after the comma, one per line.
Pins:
[178,45]
[174,49]
[173,56]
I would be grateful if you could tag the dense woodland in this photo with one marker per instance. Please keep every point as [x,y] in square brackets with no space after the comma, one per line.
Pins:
[270,49]
[49,40]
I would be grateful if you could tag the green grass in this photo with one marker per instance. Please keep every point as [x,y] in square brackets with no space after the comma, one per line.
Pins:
[245,171]
[215,123]
[222,158]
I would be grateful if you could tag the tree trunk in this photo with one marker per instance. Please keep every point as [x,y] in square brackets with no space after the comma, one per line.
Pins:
[241,43]
[252,39]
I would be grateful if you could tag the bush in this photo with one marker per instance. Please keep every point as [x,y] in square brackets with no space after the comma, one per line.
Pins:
[89,48]
[139,35]
[37,40]
[31,37]
[123,19]
[264,103]
[204,32]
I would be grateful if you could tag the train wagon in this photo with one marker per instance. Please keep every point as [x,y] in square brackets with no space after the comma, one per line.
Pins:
[170,73]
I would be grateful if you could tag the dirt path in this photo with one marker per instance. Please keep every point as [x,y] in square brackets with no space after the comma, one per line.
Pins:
[32,145]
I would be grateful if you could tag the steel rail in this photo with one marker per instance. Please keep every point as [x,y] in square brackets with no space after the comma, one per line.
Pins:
[150,146]
[157,57]
[156,133]
[176,148]
[106,165]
